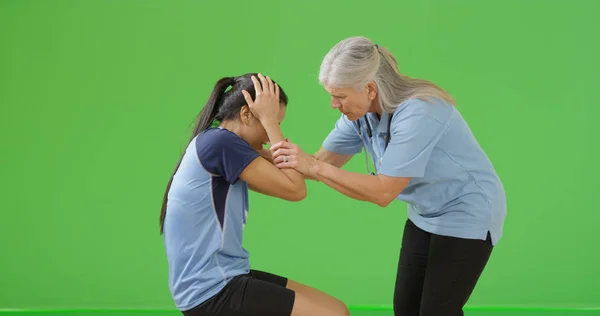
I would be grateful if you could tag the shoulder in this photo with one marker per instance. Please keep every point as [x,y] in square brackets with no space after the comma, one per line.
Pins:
[219,139]
[222,152]
[414,108]
[216,143]
[216,137]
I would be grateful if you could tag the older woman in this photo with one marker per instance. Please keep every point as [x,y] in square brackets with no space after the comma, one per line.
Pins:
[425,155]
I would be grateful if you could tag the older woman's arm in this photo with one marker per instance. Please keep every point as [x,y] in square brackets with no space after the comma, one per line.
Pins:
[379,189]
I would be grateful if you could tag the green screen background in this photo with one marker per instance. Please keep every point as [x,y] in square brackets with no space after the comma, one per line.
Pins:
[98,97]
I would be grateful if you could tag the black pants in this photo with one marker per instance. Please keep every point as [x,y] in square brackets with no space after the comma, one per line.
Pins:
[437,274]
[257,293]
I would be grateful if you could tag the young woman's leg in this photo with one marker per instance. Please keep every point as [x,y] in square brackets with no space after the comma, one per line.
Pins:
[327,302]
[259,293]
[412,266]
[453,270]
[245,295]
[310,294]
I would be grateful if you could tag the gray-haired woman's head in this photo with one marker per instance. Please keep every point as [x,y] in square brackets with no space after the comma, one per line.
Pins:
[361,76]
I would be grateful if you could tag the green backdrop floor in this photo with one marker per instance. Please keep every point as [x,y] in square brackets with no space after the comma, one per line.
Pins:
[353,313]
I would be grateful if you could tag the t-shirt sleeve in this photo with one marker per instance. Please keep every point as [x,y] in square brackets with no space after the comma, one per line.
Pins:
[223,153]
[344,138]
[414,136]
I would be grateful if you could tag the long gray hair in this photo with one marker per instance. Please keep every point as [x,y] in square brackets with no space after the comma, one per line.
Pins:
[356,61]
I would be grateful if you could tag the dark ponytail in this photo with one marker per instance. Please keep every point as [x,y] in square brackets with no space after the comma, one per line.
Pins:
[205,119]
[211,109]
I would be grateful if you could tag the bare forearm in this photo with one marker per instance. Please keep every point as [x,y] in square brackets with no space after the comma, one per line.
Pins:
[331,158]
[341,189]
[357,186]
[275,135]
[334,159]
[273,131]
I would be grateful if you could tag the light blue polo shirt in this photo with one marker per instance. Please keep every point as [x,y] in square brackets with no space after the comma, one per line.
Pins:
[454,190]
[206,213]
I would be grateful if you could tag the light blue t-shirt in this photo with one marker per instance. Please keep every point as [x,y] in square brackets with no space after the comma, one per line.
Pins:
[206,212]
[454,190]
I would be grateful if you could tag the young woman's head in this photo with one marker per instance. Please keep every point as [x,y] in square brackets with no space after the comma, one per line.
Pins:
[226,106]
[362,77]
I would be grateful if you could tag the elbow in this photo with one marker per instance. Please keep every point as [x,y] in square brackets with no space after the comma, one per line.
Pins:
[385,197]
[297,194]
[383,203]
[385,200]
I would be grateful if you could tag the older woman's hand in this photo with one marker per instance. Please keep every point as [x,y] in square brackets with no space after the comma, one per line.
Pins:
[289,155]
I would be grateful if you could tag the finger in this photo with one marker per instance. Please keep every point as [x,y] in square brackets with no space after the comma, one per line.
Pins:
[278,145]
[279,159]
[285,158]
[283,152]
[286,145]
[270,85]
[283,165]
[257,88]
[292,164]
[282,149]
[277,91]
[248,98]
[263,81]
[275,146]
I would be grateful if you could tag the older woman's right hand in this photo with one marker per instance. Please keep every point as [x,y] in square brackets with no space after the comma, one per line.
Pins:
[265,105]
[289,155]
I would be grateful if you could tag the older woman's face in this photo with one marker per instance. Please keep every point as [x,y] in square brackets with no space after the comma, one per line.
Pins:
[351,102]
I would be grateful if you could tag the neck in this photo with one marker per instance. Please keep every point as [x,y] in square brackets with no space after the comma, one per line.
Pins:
[375,108]
[232,126]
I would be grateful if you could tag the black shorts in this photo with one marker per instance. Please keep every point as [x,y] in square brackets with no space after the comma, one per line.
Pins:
[256,293]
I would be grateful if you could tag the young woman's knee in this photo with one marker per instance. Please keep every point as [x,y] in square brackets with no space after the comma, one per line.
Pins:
[340,309]
[305,306]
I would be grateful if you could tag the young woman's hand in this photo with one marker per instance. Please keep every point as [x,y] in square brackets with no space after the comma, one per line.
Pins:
[265,105]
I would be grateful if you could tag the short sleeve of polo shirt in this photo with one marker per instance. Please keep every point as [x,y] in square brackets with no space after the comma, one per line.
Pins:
[415,130]
[344,138]
[223,153]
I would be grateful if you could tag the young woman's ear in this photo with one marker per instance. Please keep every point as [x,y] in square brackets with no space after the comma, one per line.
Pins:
[245,114]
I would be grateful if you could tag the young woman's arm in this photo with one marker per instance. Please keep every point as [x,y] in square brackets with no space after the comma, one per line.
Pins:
[264,177]
[223,153]
[260,174]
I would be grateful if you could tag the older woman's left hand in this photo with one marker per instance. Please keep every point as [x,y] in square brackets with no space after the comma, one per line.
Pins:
[289,155]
